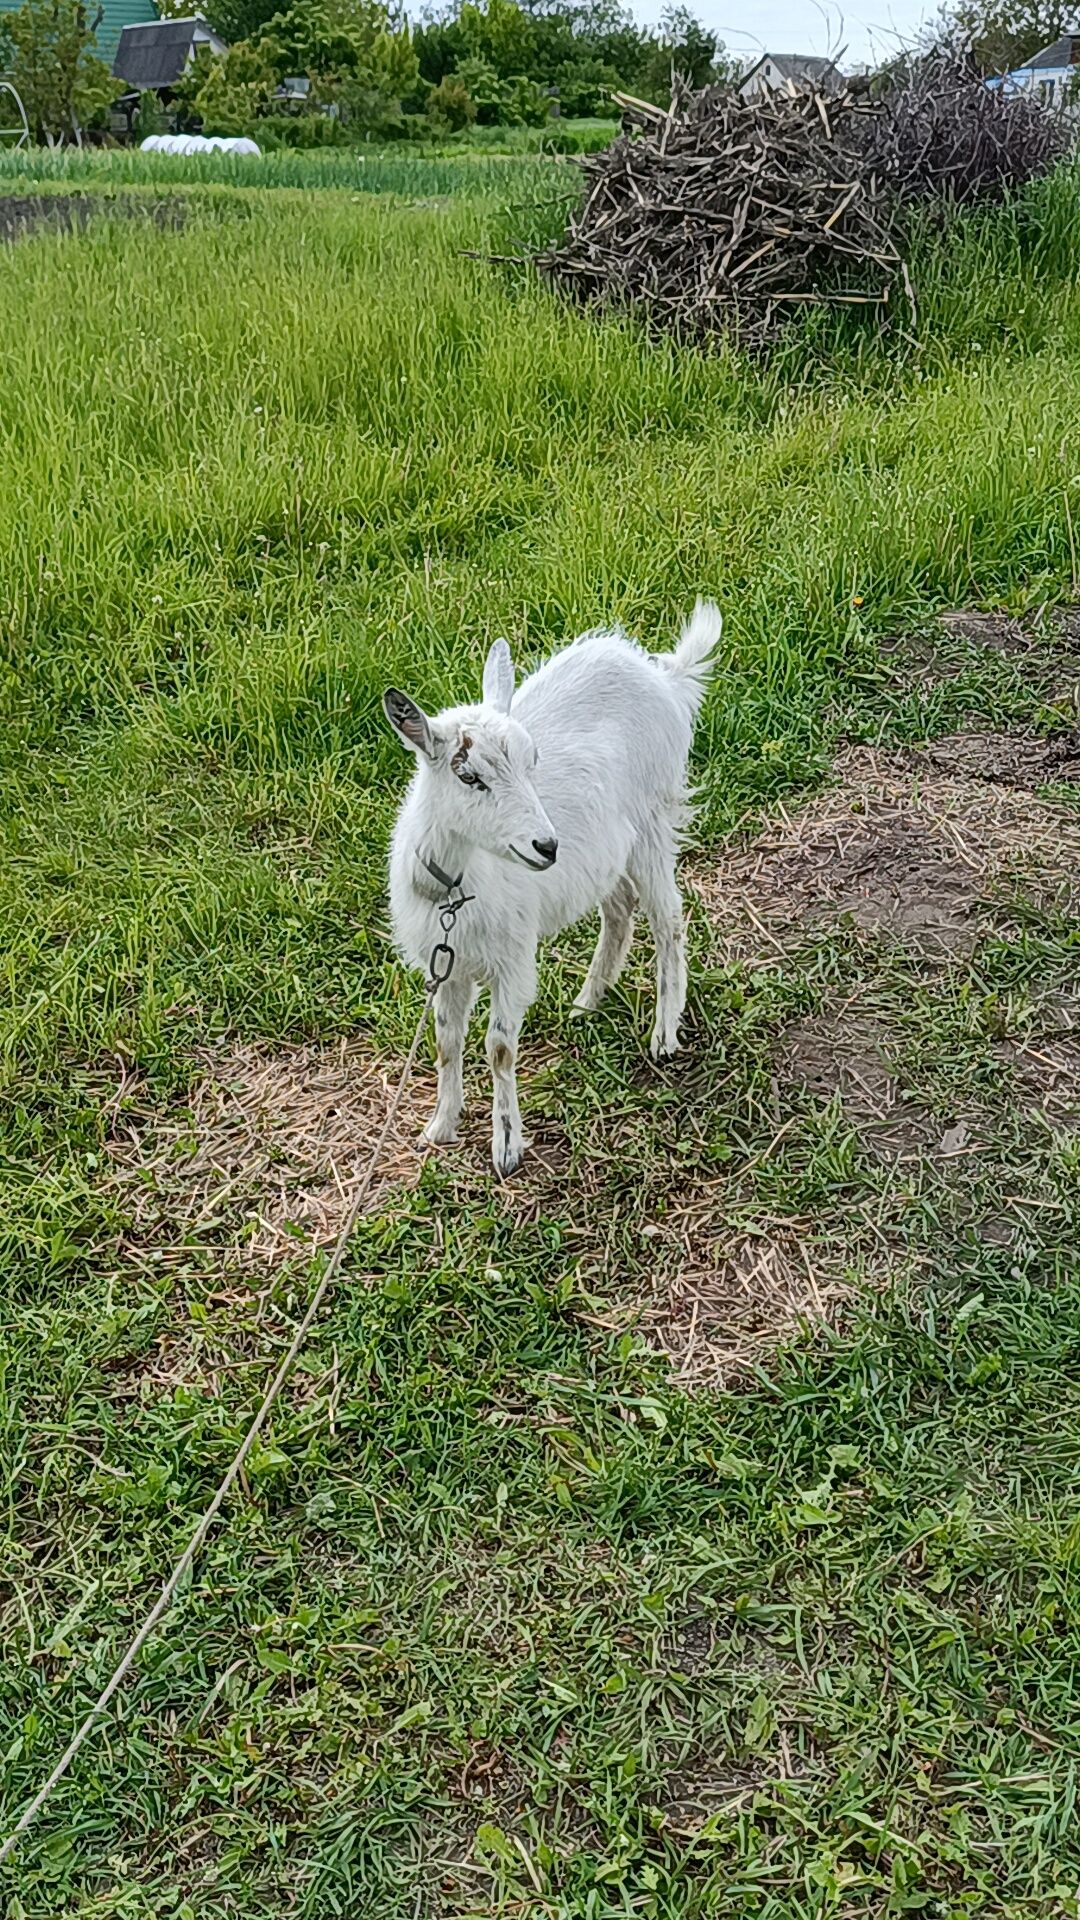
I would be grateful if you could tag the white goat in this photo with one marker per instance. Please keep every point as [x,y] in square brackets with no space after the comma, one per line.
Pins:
[566,796]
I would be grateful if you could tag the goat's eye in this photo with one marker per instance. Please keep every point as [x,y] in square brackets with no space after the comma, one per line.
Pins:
[470,779]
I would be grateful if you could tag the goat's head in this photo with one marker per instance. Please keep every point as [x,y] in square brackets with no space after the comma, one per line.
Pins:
[479,764]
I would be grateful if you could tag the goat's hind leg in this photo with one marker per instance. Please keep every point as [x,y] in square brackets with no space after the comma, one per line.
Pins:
[653,870]
[453,1004]
[609,958]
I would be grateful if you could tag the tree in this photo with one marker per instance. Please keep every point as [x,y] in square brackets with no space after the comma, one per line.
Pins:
[150,117]
[46,46]
[500,33]
[524,102]
[352,53]
[369,101]
[516,101]
[349,50]
[580,48]
[233,90]
[506,57]
[999,34]
[236,20]
[684,47]
[439,45]
[484,88]
[585,86]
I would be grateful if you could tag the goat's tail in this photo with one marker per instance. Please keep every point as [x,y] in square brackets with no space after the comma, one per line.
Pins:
[691,661]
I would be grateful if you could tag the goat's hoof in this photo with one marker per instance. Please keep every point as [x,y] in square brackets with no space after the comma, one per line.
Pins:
[442,1133]
[587,1001]
[664,1046]
[507,1156]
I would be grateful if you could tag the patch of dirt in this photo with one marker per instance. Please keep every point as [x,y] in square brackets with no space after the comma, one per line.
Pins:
[1046,649]
[904,846]
[848,1052]
[689,1648]
[24,213]
[993,632]
[729,1302]
[493,1778]
[264,1159]
[1023,760]
[694,1793]
[924,849]
[1047,1076]
[261,1163]
[21,214]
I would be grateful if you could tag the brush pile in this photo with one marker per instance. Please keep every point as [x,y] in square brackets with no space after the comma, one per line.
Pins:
[939,136]
[721,213]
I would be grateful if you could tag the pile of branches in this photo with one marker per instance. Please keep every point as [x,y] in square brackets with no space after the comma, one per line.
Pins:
[939,134]
[721,213]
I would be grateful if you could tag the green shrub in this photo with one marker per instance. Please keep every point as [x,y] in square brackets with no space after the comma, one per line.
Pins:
[149,118]
[524,103]
[451,106]
[300,133]
[484,88]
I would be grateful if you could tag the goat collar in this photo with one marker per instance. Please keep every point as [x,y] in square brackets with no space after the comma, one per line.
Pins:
[441,878]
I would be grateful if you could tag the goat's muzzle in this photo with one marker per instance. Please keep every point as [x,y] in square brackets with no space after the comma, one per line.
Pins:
[542,856]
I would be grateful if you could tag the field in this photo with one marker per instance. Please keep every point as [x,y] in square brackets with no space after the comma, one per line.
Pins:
[501,163]
[689,1527]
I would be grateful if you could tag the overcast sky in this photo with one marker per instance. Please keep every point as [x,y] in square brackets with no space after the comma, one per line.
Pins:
[868,29]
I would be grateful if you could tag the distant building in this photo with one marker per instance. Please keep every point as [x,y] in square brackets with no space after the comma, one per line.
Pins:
[153,55]
[790,73]
[294,93]
[1049,75]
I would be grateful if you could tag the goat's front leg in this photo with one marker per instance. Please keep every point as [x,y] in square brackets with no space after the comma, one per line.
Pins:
[508,1009]
[453,1004]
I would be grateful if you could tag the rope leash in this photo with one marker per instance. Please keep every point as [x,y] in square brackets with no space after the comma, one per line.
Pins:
[441,966]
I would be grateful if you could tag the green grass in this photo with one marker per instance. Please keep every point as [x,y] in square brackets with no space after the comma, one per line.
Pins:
[557,136]
[499,171]
[255,468]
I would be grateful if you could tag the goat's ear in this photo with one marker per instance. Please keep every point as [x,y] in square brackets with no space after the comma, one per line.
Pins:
[409,722]
[499,678]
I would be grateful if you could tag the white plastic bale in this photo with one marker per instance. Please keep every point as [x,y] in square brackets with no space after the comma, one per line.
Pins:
[188,143]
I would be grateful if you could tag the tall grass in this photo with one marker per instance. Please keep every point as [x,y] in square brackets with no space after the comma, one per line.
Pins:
[257,465]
